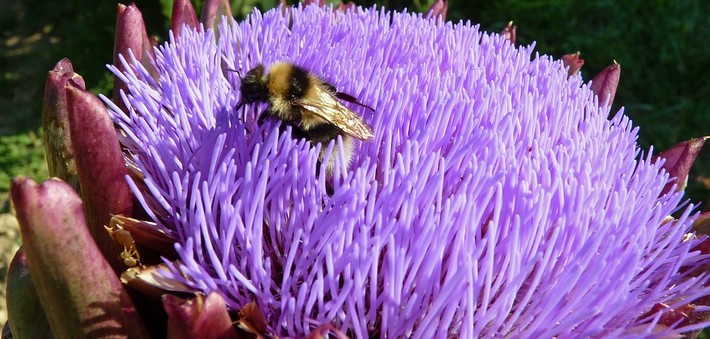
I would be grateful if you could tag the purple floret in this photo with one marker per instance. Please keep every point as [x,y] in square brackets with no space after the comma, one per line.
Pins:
[496,198]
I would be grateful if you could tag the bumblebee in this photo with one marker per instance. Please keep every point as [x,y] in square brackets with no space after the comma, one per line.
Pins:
[307,102]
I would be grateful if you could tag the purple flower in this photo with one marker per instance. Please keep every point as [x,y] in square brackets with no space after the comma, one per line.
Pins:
[495,199]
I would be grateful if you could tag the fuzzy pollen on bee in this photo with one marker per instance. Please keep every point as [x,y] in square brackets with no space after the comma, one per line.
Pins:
[310,104]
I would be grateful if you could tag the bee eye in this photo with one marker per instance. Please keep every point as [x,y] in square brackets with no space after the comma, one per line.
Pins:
[295,88]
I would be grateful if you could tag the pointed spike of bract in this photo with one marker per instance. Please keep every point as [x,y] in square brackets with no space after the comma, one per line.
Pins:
[324,331]
[213,11]
[319,3]
[605,83]
[702,223]
[60,157]
[100,167]
[149,281]
[345,6]
[679,160]
[24,310]
[79,291]
[199,317]
[573,63]
[6,331]
[146,234]
[703,247]
[509,32]
[183,14]
[671,316]
[283,5]
[130,35]
[438,10]
[643,331]
[252,320]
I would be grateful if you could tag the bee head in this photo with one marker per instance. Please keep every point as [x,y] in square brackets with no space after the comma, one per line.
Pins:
[253,86]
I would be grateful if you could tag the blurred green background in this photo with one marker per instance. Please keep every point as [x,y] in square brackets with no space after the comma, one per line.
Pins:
[661,45]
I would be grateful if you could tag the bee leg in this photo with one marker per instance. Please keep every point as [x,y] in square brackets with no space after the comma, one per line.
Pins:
[263,116]
[328,185]
[329,189]
[296,131]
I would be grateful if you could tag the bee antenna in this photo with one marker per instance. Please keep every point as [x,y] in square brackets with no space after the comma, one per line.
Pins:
[352,99]
[241,105]
[235,71]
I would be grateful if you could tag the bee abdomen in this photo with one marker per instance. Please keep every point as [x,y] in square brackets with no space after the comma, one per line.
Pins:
[323,133]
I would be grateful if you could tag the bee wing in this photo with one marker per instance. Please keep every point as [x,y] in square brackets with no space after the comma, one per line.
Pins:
[325,105]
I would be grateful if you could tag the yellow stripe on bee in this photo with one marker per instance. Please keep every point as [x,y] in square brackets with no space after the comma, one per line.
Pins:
[279,76]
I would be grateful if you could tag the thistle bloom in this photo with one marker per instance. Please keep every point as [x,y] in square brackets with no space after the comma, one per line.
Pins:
[495,199]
